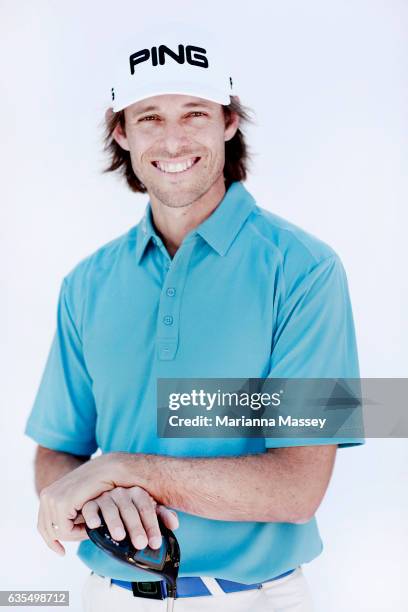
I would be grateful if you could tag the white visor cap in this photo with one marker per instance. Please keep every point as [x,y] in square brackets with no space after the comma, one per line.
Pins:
[174,59]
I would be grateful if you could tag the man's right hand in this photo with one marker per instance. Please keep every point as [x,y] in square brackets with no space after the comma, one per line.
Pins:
[131,508]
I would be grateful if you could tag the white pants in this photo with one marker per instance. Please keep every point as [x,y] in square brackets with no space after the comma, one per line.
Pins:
[288,594]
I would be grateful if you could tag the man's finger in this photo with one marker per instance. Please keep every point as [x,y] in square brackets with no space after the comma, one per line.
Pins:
[50,514]
[147,512]
[90,514]
[112,517]
[79,531]
[169,517]
[44,526]
[54,515]
[133,523]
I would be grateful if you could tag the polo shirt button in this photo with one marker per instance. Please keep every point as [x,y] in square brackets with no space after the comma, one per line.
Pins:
[171,291]
[168,320]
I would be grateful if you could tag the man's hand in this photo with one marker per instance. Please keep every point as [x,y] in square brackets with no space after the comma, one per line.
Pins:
[61,501]
[131,508]
[134,509]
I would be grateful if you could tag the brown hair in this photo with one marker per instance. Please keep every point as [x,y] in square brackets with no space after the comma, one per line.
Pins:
[237,156]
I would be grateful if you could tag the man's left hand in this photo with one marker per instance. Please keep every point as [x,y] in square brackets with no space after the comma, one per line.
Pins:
[61,501]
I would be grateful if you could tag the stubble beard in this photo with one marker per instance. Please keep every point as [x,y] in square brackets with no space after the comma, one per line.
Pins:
[180,196]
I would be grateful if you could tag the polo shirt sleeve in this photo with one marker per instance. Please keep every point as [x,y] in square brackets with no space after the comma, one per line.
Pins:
[314,337]
[63,416]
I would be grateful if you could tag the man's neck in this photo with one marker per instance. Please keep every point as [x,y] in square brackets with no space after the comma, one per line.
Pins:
[172,224]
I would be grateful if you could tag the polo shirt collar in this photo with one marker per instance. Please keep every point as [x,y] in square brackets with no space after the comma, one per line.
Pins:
[145,233]
[222,226]
[218,230]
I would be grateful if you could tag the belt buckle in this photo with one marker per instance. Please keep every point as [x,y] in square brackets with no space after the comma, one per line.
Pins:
[149,590]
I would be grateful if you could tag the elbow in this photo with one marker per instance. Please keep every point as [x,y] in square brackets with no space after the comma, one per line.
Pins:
[297,517]
[303,515]
[301,519]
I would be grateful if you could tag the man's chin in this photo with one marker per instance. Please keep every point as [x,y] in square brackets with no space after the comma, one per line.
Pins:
[177,196]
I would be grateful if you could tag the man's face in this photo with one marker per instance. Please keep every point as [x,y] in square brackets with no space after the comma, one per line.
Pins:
[177,145]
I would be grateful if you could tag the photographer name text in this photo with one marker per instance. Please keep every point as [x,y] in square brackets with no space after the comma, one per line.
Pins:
[225,421]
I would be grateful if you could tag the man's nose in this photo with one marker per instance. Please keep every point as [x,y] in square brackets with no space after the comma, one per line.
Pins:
[174,137]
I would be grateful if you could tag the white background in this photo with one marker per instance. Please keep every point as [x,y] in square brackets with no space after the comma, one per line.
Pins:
[328,83]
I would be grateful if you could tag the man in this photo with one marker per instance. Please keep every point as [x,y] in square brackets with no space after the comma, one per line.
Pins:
[208,284]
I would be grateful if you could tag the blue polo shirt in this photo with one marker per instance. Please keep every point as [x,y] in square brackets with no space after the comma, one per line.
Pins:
[247,294]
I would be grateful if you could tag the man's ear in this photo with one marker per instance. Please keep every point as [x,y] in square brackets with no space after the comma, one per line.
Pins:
[232,127]
[118,133]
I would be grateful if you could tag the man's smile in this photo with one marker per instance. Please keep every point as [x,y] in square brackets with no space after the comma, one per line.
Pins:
[175,167]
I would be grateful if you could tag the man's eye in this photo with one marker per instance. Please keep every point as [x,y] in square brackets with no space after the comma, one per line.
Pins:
[154,117]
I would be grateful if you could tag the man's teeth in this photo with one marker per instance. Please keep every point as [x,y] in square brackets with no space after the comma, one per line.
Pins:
[180,167]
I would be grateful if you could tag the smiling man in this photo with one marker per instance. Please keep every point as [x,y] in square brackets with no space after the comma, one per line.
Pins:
[176,145]
[207,285]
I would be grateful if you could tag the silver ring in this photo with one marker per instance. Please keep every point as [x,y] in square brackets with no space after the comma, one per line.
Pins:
[54,525]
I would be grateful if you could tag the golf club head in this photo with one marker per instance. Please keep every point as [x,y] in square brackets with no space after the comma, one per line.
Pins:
[164,561]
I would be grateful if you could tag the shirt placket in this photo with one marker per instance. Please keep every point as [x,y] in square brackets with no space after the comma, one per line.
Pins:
[168,320]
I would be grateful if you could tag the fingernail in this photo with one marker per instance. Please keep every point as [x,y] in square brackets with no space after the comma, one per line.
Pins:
[94,522]
[118,533]
[141,542]
[155,542]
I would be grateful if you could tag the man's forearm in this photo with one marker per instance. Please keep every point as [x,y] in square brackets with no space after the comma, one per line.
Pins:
[50,465]
[263,487]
